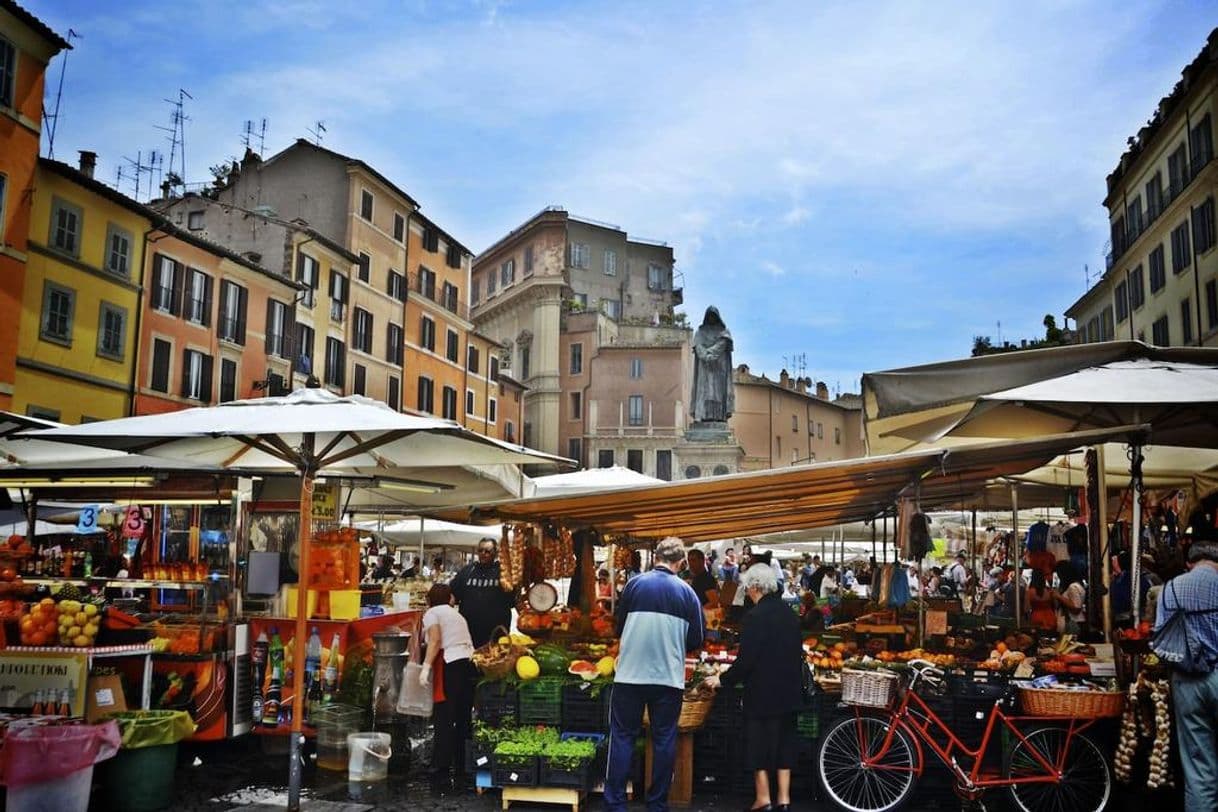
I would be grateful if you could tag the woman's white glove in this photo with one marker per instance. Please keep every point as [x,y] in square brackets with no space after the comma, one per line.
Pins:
[425,676]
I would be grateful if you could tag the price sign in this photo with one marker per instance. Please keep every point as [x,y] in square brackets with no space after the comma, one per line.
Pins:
[87,523]
[133,522]
[325,502]
[936,622]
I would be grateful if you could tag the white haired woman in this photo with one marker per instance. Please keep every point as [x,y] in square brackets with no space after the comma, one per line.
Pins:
[770,667]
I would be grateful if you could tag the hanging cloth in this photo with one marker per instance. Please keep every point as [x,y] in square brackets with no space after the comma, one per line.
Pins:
[898,593]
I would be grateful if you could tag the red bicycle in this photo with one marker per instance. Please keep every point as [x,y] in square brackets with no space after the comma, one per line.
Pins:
[871,762]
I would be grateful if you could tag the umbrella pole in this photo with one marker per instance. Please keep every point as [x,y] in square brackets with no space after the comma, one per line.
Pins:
[302,630]
[1135,523]
[1015,553]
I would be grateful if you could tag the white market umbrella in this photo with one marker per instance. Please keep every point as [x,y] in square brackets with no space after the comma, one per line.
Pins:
[590,480]
[309,431]
[417,531]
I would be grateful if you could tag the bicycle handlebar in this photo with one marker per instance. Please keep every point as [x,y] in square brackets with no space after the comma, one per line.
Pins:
[928,671]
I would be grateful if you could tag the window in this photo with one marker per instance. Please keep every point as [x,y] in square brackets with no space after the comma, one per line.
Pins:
[448,296]
[575,449]
[604,458]
[820,431]
[794,423]
[198,297]
[8,72]
[475,291]
[664,464]
[228,380]
[161,351]
[635,410]
[359,379]
[577,359]
[118,245]
[453,257]
[305,339]
[431,238]
[1203,226]
[394,398]
[655,277]
[397,286]
[194,220]
[452,347]
[1137,291]
[1211,303]
[634,459]
[3,184]
[1133,219]
[472,359]
[492,410]
[399,226]
[65,227]
[1122,302]
[1181,253]
[427,283]
[528,260]
[470,403]
[365,205]
[361,338]
[1186,321]
[450,403]
[610,263]
[1177,171]
[58,304]
[166,283]
[276,328]
[577,406]
[394,344]
[234,301]
[579,255]
[580,301]
[111,331]
[427,334]
[1158,273]
[1201,143]
[493,370]
[509,431]
[491,279]
[636,368]
[525,358]
[365,267]
[426,395]
[1117,234]
[1092,332]
[196,375]
[837,435]
[338,295]
[336,361]
[308,273]
[507,273]
[1160,336]
[1154,196]
[611,308]
[1107,333]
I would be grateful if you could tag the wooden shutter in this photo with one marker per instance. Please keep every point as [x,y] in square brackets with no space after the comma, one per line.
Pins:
[243,298]
[185,373]
[270,313]
[207,299]
[205,388]
[179,288]
[161,351]
[156,274]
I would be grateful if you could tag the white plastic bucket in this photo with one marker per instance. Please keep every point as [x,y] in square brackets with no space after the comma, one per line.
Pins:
[401,601]
[67,794]
[368,758]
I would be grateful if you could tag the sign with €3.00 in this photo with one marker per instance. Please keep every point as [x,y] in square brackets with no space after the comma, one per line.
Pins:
[325,502]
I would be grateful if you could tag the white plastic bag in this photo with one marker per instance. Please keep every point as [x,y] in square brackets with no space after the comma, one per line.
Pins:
[414,699]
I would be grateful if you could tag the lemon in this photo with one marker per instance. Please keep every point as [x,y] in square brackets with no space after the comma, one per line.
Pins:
[90,609]
[605,665]
[527,668]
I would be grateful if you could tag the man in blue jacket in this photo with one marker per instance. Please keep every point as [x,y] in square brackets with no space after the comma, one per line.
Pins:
[659,620]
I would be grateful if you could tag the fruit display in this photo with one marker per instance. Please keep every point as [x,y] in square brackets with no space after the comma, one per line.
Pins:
[527,668]
[40,626]
[11,609]
[939,660]
[584,670]
[553,660]
[78,623]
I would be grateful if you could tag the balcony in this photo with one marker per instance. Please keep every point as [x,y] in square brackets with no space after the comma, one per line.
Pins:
[425,286]
[1122,242]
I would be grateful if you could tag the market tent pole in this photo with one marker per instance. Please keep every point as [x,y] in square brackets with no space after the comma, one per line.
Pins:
[1100,525]
[303,541]
[1135,546]
[973,547]
[873,539]
[1015,547]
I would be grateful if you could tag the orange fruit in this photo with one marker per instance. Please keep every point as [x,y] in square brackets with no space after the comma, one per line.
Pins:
[38,639]
[1001,647]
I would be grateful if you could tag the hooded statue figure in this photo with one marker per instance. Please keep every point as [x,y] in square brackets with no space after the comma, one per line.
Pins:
[713,396]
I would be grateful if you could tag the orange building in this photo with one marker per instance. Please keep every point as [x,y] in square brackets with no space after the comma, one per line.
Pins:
[27,45]
[216,327]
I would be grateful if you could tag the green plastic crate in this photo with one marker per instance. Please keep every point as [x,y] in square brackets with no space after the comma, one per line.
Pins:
[540,701]
[807,725]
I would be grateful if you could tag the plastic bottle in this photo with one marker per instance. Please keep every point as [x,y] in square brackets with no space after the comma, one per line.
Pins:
[37,708]
[312,667]
[330,679]
[258,662]
[65,705]
[88,565]
[270,704]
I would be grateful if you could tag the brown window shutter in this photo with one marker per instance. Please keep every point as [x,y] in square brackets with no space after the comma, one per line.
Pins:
[207,300]
[270,310]
[243,300]
[156,273]
[179,286]
[205,390]
[185,373]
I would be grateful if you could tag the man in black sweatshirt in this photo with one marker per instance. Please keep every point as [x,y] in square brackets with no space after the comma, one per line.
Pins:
[481,600]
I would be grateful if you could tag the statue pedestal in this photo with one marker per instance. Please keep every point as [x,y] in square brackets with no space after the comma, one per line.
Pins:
[709,448]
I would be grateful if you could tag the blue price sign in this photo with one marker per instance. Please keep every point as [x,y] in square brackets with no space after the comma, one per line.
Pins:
[87,523]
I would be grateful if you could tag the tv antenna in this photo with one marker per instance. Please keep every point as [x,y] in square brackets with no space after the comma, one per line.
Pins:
[53,117]
[318,128]
[1087,275]
[139,169]
[249,133]
[177,139]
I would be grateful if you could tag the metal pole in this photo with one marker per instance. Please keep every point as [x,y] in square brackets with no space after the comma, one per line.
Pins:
[1101,520]
[1015,552]
[304,532]
[1135,546]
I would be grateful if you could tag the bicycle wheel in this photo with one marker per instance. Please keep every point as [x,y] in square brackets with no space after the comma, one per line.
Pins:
[881,785]
[1084,784]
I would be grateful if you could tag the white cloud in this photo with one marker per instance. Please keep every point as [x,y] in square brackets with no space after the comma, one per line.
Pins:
[796,215]
[773,268]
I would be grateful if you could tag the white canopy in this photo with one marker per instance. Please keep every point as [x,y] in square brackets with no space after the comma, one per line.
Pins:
[590,480]
[420,532]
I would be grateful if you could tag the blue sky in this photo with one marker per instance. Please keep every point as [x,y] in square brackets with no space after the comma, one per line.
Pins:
[867,184]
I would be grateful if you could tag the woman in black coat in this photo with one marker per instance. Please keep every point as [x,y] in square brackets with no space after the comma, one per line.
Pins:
[770,665]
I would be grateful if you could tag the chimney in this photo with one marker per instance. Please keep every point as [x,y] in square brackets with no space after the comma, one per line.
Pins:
[801,385]
[88,162]
[784,379]
[822,390]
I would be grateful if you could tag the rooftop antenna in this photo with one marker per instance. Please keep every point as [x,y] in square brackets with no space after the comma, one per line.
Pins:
[177,139]
[799,363]
[249,133]
[1087,275]
[318,129]
[54,116]
[140,168]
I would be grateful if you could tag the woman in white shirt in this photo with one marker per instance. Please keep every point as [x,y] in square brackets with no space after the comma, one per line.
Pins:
[1074,598]
[449,649]
[828,584]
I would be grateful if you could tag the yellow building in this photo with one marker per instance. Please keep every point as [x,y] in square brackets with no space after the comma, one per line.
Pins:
[76,346]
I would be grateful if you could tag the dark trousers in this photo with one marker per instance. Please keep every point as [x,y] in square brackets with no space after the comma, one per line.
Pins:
[451,717]
[626,706]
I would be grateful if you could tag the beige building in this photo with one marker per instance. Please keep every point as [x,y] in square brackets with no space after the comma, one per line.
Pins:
[1161,279]
[791,422]
[557,273]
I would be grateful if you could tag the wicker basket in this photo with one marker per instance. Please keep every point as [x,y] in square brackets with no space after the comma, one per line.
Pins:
[693,713]
[497,660]
[871,689]
[1078,704]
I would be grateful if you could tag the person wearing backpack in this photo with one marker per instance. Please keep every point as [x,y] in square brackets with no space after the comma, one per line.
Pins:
[1186,637]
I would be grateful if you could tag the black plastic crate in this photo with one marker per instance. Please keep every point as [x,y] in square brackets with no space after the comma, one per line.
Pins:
[584,712]
[579,778]
[478,756]
[496,703]
[514,771]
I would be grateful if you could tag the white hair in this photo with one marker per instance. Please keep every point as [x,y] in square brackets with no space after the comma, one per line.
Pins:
[671,550]
[761,577]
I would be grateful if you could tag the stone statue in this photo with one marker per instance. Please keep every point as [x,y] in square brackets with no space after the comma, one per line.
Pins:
[713,396]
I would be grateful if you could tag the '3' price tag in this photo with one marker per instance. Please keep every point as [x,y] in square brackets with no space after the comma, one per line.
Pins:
[133,522]
[87,523]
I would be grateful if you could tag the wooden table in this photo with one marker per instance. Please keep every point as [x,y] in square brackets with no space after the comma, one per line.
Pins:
[682,791]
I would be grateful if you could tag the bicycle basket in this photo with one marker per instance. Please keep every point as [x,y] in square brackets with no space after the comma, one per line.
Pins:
[870,689]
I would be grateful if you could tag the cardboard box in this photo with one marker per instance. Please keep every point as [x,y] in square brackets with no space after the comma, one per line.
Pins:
[103,697]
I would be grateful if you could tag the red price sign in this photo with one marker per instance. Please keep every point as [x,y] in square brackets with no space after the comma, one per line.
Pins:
[133,523]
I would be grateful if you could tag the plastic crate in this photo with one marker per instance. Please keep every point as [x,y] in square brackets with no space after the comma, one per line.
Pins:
[580,778]
[477,756]
[515,771]
[581,711]
[807,725]
[496,703]
[540,701]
